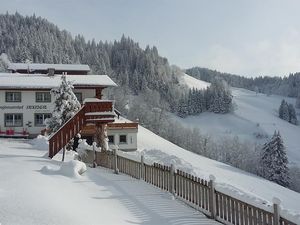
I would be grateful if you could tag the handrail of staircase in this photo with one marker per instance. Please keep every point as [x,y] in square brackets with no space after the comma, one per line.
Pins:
[58,141]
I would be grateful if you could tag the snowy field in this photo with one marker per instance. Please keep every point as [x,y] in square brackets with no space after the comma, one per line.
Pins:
[192,82]
[254,114]
[37,191]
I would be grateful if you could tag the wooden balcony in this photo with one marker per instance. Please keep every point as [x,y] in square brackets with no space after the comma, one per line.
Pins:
[99,111]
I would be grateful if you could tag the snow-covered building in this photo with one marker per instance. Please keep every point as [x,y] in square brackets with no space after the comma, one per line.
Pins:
[122,134]
[39,68]
[26,102]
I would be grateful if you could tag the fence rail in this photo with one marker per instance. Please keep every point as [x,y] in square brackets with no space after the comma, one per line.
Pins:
[196,192]
[62,136]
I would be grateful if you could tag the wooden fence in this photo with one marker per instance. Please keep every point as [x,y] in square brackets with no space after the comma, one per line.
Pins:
[196,192]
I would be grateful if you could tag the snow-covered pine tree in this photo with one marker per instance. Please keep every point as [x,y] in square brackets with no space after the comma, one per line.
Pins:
[4,61]
[298,102]
[220,97]
[284,110]
[182,110]
[66,105]
[292,114]
[274,161]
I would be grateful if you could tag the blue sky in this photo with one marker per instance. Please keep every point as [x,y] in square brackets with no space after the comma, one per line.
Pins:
[257,37]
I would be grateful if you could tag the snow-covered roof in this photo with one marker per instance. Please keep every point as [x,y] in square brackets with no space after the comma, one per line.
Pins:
[28,81]
[44,66]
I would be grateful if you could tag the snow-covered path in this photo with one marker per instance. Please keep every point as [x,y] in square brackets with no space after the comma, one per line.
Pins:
[28,196]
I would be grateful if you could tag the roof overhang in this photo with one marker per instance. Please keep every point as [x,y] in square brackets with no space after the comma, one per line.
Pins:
[45,66]
[41,81]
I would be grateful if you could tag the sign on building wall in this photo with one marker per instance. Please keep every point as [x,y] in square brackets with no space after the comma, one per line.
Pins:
[29,107]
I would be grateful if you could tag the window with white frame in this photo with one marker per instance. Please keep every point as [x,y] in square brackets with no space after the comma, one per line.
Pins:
[111,139]
[42,97]
[13,96]
[123,139]
[13,119]
[39,119]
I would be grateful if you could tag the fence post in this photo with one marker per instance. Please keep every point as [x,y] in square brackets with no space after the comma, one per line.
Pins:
[212,196]
[172,179]
[63,155]
[116,161]
[142,167]
[276,210]
[94,155]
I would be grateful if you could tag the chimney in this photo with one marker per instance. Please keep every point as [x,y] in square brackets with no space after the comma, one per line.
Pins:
[51,71]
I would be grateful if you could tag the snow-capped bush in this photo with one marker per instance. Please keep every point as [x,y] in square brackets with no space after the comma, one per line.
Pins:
[84,147]
[40,142]
[72,168]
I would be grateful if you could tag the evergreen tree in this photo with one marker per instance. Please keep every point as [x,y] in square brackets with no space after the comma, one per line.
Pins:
[284,111]
[274,161]
[182,110]
[292,114]
[66,105]
[287,112]
[3,62]
[298,102]
[220,99]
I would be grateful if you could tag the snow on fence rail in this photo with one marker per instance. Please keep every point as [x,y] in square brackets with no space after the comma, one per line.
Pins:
[196,192]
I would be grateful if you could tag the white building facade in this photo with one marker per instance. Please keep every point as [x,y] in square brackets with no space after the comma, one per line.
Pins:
[26,101]
[23,112]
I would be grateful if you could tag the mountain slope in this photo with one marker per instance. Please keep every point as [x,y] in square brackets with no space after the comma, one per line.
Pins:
[286,86]
[230,180]
[254,115]
[192,82]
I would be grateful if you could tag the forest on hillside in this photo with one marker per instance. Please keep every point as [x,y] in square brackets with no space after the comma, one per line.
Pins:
[286,86]
[137,71]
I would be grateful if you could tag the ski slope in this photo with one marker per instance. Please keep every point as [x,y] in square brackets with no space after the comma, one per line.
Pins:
[254,114]
[192,82]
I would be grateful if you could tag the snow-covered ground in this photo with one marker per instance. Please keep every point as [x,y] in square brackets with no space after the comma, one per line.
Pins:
[37,191]
[192,82]
[230,180]
[254,114]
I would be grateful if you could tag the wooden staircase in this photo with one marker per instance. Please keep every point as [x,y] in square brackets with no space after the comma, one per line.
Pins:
[93,111]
